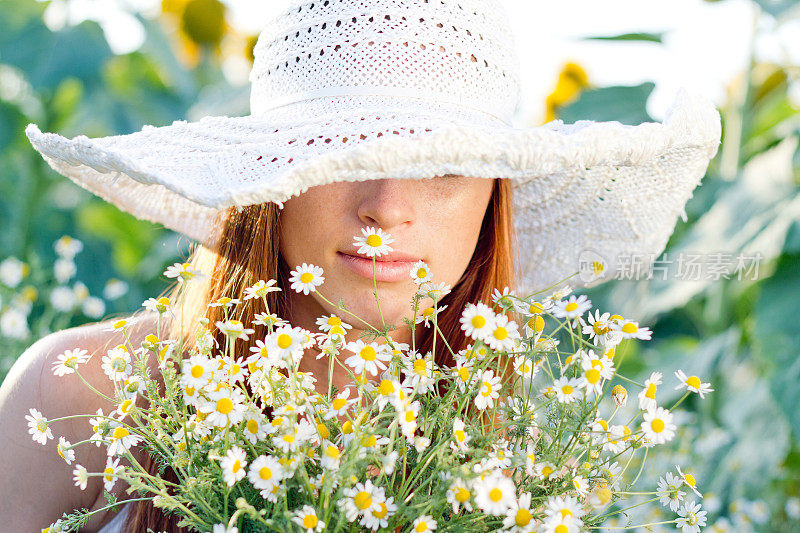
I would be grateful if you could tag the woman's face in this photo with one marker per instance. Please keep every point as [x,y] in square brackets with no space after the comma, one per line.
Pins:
[434,220]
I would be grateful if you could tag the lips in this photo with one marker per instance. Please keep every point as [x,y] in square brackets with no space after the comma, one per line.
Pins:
[391,267]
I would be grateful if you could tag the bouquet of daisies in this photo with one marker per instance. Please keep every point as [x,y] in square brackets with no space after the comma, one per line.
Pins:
[530,430]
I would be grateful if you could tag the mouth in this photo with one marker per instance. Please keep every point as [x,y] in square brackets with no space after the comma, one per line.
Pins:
[392,267]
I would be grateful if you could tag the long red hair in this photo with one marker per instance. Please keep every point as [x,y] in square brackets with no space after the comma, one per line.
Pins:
[233,267]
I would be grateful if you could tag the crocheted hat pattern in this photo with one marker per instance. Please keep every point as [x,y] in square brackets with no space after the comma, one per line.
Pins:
[353,90]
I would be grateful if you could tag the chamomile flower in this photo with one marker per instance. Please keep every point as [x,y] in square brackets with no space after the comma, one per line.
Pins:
[462,373]
[67,362]
[377,517]
[111,472]
[689,481]
[420,273]
[572,308]
[307,519]
[647,396]
[255,425]
[690,518]
[631,330]
[669,491]
[555,524]
[339,405]
[182,272]
[268,319]
[489,390]
[264,472]
[421,373]
[423,524]
[460,441]
[519,518]
[495,493]
[329,323]
[429,314]
[260,289]
[306,278]
[80,476]
[233,465]
[504,300]
[286,341]
[65,450]
[658,426]
[359,499]
[597,326]
[407,415]
[121,439]
[330,456]
[567,389]
[692,384]
[525,368]
[224,407]
[459,494]
[563,508]
[234,329]
[38,427]
[477,320]
[373,242]
[197,371]
[503,335]
[369,357]
[117,363]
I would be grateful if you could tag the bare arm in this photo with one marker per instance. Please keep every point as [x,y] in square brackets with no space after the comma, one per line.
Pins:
[37,485]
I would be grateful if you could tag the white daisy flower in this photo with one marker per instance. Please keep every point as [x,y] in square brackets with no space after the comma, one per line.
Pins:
[306,278]
[234,329]
[378,516]
[519,518]
[631,330]
[463,373]
[423,524]
[233,465]
[489,390]
[67,362]
[255,425]
[327,323]
[429,314]
[572,308]
[669,490]
[459,495]
[67,247]
[420,273]
[407,416]
[224,407]
[307,519]
[121,439]
[182,272]
[421,377]
[505,300]
[225,302]
[117,363]
[689,480]
[460,441]
[38,427]
[434,291]
[693,384]
[264,472]
[288,342]
[388,462]
[647,396]
[80,476]
[503,335]
[65,450]
[268,319]
[374,242]
[495,493]
[369,357]
[330,456]
[477,320]
[339,405]
[690,518]
[359,499]
[260,289]
[525,368]
[197,371]
[160,305]
[563,508]
[658,426]
[111,472]
[567,389]
[114,289]
[556,524]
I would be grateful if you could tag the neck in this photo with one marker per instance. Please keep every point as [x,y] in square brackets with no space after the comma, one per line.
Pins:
[304,313]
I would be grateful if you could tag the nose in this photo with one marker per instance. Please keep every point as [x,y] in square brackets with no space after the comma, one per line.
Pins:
[386,203]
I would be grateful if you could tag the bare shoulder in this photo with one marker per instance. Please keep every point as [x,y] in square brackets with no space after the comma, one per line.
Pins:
[39,483]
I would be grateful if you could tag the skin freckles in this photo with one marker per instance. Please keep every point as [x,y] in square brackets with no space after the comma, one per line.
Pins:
[437,220]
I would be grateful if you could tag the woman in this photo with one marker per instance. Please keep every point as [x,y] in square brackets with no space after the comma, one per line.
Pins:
[396,116]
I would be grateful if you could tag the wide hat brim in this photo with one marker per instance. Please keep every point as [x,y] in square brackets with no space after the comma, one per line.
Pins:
[601,191]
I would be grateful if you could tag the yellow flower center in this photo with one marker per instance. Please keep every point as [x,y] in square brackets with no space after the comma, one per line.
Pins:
[523,517]
[478,322]
[284,341]
[500,333]
[108,471]
[420,367]
[561,528]
[592,375]
[41,425]
[658,425]
[421,527]
[460,435]
[600,328]
[197,371]
[536,323]
[410,416]
[332,452]
[547,470]
[368,353]
[565,513]
[310,521]
[693,381]
[306,277]
[382,512]
[386,387]
[363,500]
[487,388]
[422,273]
[373,240]
[462,495]
[120,433]
[265,473]
[334,321]
[347,427]
[567,389]
[252,426]
[651,391]
[630,327]
[237,465]
[339,403]
[571,306]
[689,479]
[495,494]
[118,364]
[224,405]
[370,441]
[428,312]
[323,431]
[463,374]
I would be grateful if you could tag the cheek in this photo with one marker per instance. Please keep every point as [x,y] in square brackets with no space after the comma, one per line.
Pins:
[305,222]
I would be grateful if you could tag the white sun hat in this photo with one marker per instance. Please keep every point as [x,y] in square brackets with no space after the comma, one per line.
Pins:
[353,90]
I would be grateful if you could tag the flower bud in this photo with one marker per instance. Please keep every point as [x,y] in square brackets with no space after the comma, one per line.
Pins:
[620,395]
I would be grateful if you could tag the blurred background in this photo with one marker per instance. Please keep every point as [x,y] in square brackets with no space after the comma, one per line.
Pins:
[110,67]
